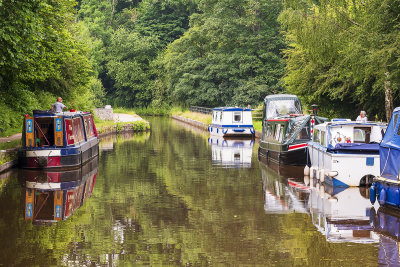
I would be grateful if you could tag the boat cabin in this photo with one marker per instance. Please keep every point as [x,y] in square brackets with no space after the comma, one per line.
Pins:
[344,131]
[286,130]
[231,121]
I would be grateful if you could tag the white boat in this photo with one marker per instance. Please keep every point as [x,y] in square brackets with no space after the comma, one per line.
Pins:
[342,214]
[345,153]
[231,153]
[231,121]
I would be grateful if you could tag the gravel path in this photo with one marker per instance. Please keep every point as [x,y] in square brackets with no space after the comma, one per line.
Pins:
[126,117]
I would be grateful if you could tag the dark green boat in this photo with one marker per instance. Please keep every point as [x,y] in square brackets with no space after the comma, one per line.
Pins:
[286,130]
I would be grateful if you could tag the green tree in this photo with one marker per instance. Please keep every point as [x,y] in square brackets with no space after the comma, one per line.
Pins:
[229,56]
[343,54]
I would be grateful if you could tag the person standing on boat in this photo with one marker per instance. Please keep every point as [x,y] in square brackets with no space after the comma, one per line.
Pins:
[58,106]
[362,117]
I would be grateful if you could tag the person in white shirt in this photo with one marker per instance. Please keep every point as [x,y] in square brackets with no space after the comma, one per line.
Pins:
[362,117]
[58,106]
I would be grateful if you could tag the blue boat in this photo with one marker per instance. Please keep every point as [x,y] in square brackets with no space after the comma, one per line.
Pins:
[386,187]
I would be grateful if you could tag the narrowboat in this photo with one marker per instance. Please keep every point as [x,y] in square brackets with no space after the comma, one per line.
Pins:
[286,130]
[346,153]
[58,140]
[231,121]
[229,153]
[52,196]
[386,187]
[342,215]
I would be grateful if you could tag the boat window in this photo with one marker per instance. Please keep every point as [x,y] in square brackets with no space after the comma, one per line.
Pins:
[78,131]
[44,131]
[316,136]
[322,140]
[220,116]
[361,134]
[237,116]
[279,107]
[281,134]
[277,131]
[304,133]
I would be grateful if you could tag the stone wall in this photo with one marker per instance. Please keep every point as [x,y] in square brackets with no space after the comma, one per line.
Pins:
[105,113]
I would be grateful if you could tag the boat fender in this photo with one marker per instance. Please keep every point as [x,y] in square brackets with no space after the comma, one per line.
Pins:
[217,130]
[322,175]
[210,129]
[306,171]
[372,193]
[332,174]
[306,180]
[382,197]
[396,197]
[312,173]
[252,131]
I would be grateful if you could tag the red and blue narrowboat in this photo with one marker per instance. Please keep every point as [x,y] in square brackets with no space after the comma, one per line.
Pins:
[58,140]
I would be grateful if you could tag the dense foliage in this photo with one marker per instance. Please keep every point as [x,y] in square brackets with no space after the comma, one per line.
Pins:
[43,55]
[344,55]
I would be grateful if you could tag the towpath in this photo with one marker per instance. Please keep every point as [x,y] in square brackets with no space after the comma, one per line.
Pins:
[120,117]
[10,138]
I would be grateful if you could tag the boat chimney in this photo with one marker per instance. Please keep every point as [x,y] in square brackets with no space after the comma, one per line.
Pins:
[315,109]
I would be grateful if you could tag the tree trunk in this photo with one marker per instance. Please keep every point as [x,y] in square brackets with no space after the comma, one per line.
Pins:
[388,97]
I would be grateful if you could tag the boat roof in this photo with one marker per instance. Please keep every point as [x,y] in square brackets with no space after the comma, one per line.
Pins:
[231,109]
[280,97]
[49,113]
[344,122]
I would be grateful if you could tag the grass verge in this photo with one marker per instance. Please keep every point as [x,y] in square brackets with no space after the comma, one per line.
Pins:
[204,118]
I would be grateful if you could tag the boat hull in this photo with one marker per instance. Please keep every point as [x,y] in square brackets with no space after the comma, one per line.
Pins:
[237,131]
[52,158]
[297,157]
[343,170]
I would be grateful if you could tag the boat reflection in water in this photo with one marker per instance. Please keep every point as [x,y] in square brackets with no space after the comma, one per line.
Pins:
[283,187]
[386,223]
[342,214]
[51,196]
[231,153]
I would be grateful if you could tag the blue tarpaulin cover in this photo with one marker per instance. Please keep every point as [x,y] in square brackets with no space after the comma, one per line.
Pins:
[389,150]
[354,147]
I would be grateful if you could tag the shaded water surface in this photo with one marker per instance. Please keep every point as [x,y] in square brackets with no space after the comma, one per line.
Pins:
[177,197]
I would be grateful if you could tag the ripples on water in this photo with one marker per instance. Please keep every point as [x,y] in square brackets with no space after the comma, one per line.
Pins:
[177,196]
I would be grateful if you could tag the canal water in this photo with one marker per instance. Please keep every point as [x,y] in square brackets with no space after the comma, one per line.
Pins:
[179,198]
